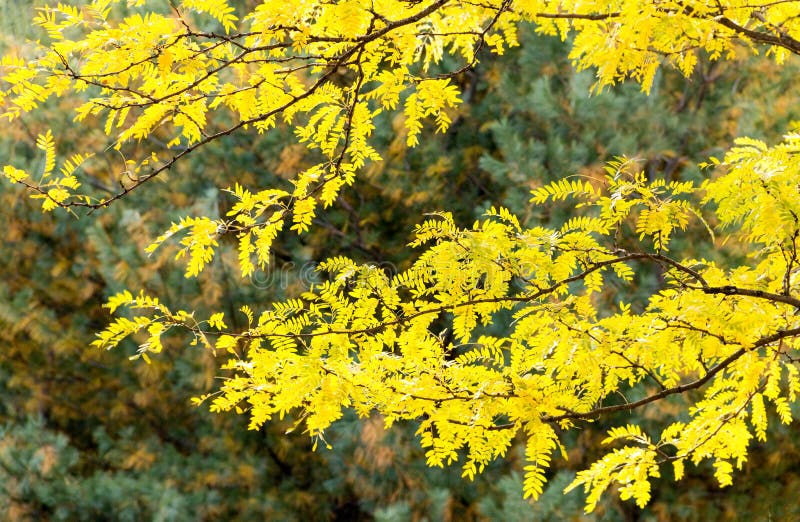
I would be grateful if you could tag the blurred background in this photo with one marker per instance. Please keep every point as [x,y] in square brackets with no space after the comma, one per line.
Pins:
[89,435]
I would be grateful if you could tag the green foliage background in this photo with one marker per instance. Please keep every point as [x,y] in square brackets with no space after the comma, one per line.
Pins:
[88,435]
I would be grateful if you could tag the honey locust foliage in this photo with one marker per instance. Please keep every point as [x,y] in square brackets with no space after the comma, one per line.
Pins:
[723,337]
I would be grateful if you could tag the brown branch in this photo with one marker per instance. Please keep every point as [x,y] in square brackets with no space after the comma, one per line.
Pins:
[576,16]
[760,294]
[782,40]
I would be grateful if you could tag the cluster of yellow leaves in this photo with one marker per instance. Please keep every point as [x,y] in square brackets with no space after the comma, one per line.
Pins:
[415,345]
[328,69]
[51,189]
[371,342]
[759,195]
[663,208]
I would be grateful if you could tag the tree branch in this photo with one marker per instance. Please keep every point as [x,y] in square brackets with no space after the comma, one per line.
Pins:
[682,388]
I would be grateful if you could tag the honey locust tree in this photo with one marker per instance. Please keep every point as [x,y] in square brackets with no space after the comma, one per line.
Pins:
[175,77]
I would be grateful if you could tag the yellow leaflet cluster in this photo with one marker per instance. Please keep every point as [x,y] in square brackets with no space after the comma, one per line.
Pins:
[371,342]
[52,189]
[327,70]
